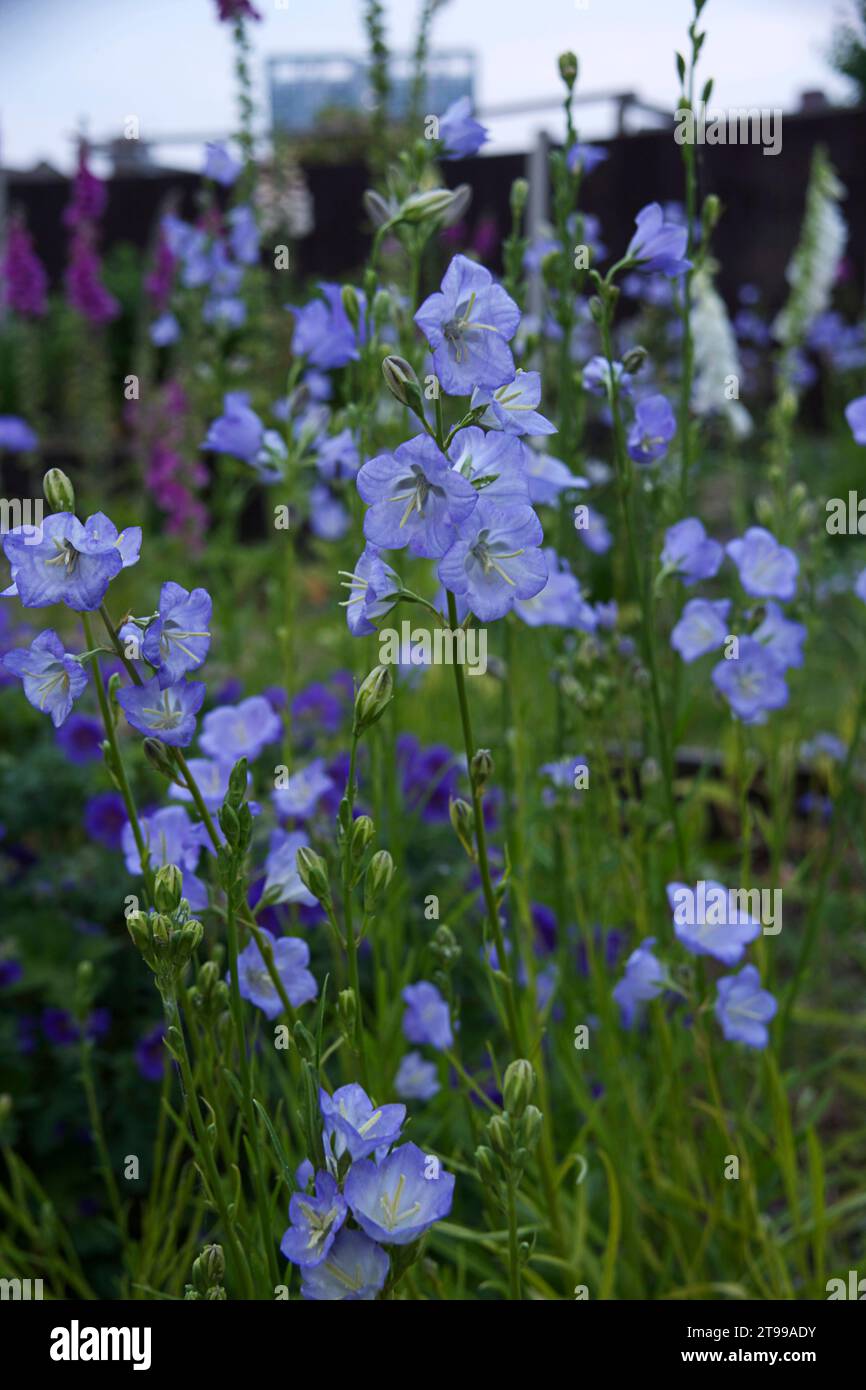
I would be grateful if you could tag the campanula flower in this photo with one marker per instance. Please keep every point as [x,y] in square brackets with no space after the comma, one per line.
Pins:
[329,519]
[645,978]
[752,683]
[468,324]
[743,1008]
[654,427]
[171,838]
[416,1078]
[243,234]
[597,378]
[427,1018]
[283,882]
[495,559]
[355,1269]
[513,407]
[460,134]
[373,587]
[702,627]
[238,431]
[291,958]
[315,1222]
[415,498]
[399,1199]
[167,712]
[547,477]
[105,819]
[724,932]
[767,569]
[585,158]
[689,553]
[52,678]
[560,603]
[595,535]
[354,1124]
[657,244]
[855,414]
[240,731]
[337,455]
[303,791]
[70,563]
[323,332]
[81,737]
[164,330]
[781,636]
[219,165]
[479,454]
[212,779]
[177,641]
[16,436]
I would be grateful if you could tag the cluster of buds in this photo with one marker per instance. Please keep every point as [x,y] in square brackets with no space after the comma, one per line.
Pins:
[167,936]
[208,1272]
[210,994]
[513,1134]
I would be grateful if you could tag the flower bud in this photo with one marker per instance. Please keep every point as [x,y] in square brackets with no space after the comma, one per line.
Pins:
[530,1126]
[485,1161]
[209,1268]
[157,755]
[376,208]
[461,197]
[58,490]
[363,832]
[424,207]
[519,196]
[379,873]
[237,788]
[137,926]
[351,304]
[167,888]
[481,769]
[313,873]
[634,359]
[373,697]
[568,68]
[710,214]
[500,1136]
[463,822]
[518,1086]
[186,942]
[401,380]
[347,1011]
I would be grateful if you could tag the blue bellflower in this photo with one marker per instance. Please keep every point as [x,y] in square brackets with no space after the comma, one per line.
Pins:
[355,1269]
[654,427]
[415,498]
[468,324]
[69,562]
[460,134]
[399,1199]
[416,1078]
[373,587]
[354,1125]
[702,628]
[513,407]
[52,678]
[724,933]
[315,1223]
[689,553]
[499,459]
[752,683]
[426,1019]
[178,640]
[743,1008]
[168,713]
[291,958]
[240,731]
[495,559]
[767,569]
[645,978]
[658,245]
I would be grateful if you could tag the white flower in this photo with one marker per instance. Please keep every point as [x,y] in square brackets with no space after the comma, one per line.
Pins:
[812,269]
[716,357]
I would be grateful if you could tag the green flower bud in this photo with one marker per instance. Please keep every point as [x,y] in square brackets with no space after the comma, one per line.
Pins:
[137,926]
[481,769]
[187,942]
[351,304]
[463,822]
[634,359]
[568,68]
[347,1011]
[209,1268]
[530,1126]
[157,755]
[58,490]
[518,1087]
[402,381]
[500,1136]
[488,1168]
[363,832]
[426,206]
[313,872]
[710,214]
[376,208]
[379,873]
[519,196]
[167,888]
[374,695]
[237,788]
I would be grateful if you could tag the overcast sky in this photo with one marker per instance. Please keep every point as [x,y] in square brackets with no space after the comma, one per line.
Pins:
[168,62]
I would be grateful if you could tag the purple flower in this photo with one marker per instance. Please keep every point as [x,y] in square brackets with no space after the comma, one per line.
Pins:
[105,818]
[459,133]
[323,332]
[657,244]
[230,11]
[11,971]
[743,1008]
[416,1078]
[315,1222]
[702,628]
[860,586]
[52,678]
[16,436]
[212,778]
[512,407]
[303,791]
[855,414]
[337,455]
[316,710]
[597,378]
[283,882]
[468,324]
[752,683]
[399,1199]
[645,978]
[219,165]
[355,1269]
[291,958]
[168,713]
[164,330]
[329,519]
[585,158]
[689,553]
[240,731]
[177,641]
[595,535]
[171,839]
[243,234]
[150,1054]
[495,559]
[23,273]
[426,1019]
[547,477]
[415,498]
[560,603]
[767,569]
[654,427]
[65,562]
[708,922]
[499,458]
[353,1123]
[781,636]
[238,431]
[373,587]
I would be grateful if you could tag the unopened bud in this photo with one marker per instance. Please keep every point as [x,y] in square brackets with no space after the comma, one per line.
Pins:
[157,755]
[530,1126]
[167,888]
[58,490]
[379,873]
[519,196]
[373,697]
[351,304]
[313,872]
[634,359]
[568,68]
[500,1136]
[463,822]
[518,1086]
[481,769]
[363,831]
[401,380]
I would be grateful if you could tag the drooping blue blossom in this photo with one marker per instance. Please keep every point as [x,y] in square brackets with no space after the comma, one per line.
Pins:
[753,683]
[724,932]
[66,562]
[219,165]
[315,1222]
[354,1125]
[323,332]
[547,477]
[585,158]
[645,978]
[240,731]
[283,883]
[495,559]
[560,603]
[653,429]
[514,407]
[597,378]
[178,640]
[427,1018]
[478,454]
[855,414]
[52,678]
[291,958]
[373,586]
[689,553]
[355,1269]
[303,791]
[416,1078]
[702,627]
[399,1199]
[468,324]
[460,133]
[16,436]
[170,838]
[168,713]
[658,245]
[415,498]
[767,569]
[743,1008]
[781,636]
[238,431]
